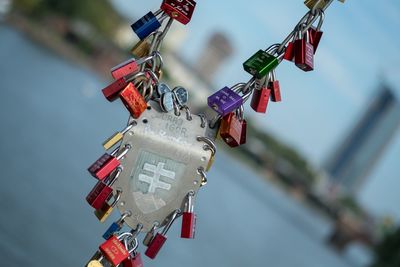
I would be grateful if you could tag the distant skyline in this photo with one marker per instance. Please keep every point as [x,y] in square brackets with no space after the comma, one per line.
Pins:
[359,46]
[357,154]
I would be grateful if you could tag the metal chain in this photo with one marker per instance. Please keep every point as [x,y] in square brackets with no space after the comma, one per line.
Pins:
[278,49]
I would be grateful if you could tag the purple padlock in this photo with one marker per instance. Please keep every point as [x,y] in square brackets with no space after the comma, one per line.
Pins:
[225,101]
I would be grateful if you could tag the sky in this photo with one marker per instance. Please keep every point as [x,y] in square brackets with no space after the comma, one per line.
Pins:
[359,48]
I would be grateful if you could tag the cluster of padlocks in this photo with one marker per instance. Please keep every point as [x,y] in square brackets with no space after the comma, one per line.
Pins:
[299,48]
[159,160]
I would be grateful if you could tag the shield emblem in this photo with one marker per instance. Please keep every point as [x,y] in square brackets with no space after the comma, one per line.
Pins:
[162,166]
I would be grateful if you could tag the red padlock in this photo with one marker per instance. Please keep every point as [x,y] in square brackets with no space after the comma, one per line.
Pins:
[275,88]
[260,99]
[316,33]
[289,52]
[125,68]
[111,92]
[304,53]
[289,49]
[181,10]
[133,261]
[114,251]
[159,239]
[149,236]
[259,83]
[133,100]
[189,218]
[128,67]
[233,129]
[102,191]
[107,163]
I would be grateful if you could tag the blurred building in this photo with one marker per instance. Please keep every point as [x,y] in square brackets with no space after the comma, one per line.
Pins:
[355,157]
[198,77]
[217,50]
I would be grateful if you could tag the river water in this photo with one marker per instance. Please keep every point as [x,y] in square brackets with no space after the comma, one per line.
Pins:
[53,120]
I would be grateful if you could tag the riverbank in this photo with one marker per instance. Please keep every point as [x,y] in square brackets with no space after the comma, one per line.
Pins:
[56,34]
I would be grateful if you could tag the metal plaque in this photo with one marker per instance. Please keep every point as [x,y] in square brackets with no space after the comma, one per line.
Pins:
[161,168]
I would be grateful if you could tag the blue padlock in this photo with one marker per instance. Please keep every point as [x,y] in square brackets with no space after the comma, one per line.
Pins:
[115,226]
[146,25]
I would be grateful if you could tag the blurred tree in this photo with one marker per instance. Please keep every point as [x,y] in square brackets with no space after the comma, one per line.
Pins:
[30,7]
[281,150]
[100,13]
[349,202]
[387,253]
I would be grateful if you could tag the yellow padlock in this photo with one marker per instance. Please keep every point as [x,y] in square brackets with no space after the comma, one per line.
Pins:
[104,212]
[141,49]
[115,138]
[322,4]
[94,263]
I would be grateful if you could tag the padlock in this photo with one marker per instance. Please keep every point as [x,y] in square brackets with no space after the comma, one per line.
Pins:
[316,33]
[111,92]
[289,49]
[317,4]
[260,64]
[146,25]
[149,236]
[163,88]
[141,49]
[104,212]
[260,99]
[225,101]
[289,52]
[94,263]
[128,67]
[167,102]
[133,261]
[115,138]
[102,191]
[273,84]
[125,68]
[96,260]
[189,218]
[116,226]
[107,163]
[233,129]
[259,83]
[180,10]
[181,95]
[133,101]
[114,250]
[160,238]
[304,53]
